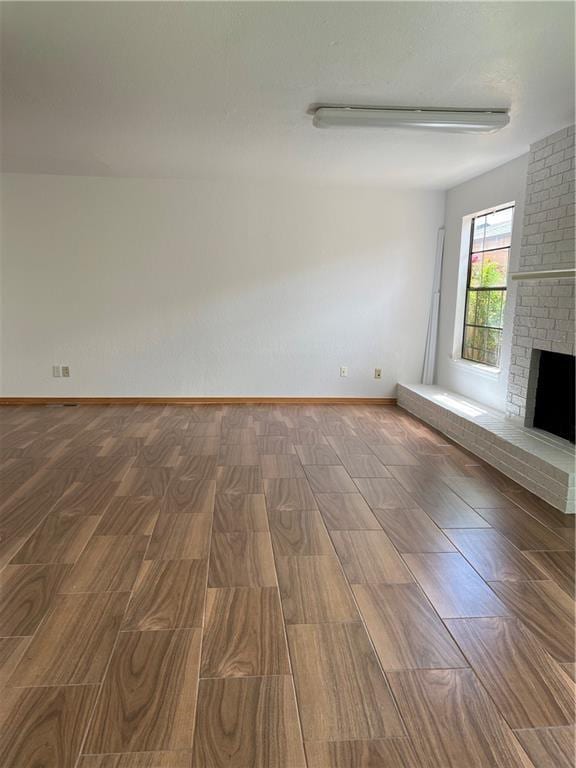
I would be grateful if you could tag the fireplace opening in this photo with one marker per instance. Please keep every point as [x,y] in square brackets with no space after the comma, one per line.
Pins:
[555,395]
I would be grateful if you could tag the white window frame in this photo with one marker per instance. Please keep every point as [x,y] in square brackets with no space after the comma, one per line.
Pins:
[486,370]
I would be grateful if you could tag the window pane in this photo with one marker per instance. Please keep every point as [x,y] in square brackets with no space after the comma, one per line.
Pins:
[482,345]
[478,233]
[496,303]
[489,269]
[492,346]
[482,306]
[486,288]
[471,305]
[498,229]
[476,263]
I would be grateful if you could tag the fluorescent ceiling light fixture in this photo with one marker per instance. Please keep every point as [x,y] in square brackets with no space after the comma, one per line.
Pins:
[438,120]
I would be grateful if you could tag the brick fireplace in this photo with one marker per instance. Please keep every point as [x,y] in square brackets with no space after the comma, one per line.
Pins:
[539,458]
[544,312]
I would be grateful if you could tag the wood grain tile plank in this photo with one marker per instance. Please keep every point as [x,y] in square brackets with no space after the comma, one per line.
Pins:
[238,455]
[44,727]
[8,549]
[204,429]
[73,645]
[443,464]
[241,559]
[299,533]
[244,633]
[558,566]
[239,480]
[364,465]
[149,481]
[87,498]
[405,630]
[412,530]
[348,445]
[281,465]
[240,512]
[180,537]
[567,535]
[522,530]
[80,462]
[452,722]
[168,594]
[11,651]
[238,436]
[148,699]
[19,516]
[313,590]
[265,428]
[492,475]
[200,446]
[107,564]
[529,688]
[395,455]
[50,483]
[453,586]
[110,469]
[248,722]
[26,594]
[197,466]
[193,495]
[381,753]
[329,479]
[274,444]
[119,446]
[179,759]
[543,512]
[60,538]
[342,694]
[384,493]
[369,557]
[307,436]
[157,454]
[475,492]
[493,556]
[546,610]
[445,507]
[72,455]
[288,494]
[346,511]
[549,747]
[129,516]
[18,471]
[317,454]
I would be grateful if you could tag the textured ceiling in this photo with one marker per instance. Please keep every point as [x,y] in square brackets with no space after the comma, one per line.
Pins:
[187,89]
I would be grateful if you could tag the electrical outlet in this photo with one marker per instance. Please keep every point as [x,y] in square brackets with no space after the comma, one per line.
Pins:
[66,371]
[377,373]
[343,370]
[56,371]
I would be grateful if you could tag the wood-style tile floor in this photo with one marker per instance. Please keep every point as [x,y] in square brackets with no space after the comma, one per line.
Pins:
[275,587]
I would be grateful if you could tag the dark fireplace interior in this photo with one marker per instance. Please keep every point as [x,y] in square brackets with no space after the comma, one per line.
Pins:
[555,394]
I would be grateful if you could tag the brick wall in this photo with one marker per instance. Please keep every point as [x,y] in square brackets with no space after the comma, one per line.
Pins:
[544,315]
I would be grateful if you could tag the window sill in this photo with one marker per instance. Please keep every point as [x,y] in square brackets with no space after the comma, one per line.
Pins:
[482,370]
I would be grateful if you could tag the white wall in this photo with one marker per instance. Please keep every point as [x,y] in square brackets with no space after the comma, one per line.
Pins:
[168,287]
[504,184]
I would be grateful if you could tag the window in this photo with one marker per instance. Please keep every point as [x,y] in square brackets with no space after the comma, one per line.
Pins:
[488,258]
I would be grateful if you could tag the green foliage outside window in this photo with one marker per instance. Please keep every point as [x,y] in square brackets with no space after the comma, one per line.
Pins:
[486,289]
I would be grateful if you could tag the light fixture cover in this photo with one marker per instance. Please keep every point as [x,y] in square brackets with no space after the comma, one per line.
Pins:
[437,120]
